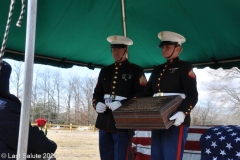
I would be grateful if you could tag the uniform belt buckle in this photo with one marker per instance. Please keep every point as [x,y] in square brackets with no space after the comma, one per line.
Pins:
[113,97]
[160,94]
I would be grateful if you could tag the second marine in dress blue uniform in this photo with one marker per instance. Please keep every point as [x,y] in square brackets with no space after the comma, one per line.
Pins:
[175,77]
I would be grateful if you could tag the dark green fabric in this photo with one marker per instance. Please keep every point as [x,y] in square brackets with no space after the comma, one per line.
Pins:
[74,32]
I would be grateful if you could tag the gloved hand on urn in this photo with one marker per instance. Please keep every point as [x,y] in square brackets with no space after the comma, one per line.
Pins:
[114,105]
[179,118]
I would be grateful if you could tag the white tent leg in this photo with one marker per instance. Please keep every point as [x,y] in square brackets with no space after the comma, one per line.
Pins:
[28,76]
[123,19]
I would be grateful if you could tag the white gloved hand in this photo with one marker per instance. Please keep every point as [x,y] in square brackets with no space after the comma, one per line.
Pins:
[179,118]
[101,107]
[114,105]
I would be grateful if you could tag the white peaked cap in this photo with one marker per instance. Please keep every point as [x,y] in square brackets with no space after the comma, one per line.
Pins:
[119,40]
[171,37]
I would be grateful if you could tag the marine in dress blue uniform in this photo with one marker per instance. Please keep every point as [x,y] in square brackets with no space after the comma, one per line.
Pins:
[116,84]
[175,77]
[10,108]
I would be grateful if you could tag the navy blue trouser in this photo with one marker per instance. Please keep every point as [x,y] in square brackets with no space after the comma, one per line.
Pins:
[168,144]
[113,145]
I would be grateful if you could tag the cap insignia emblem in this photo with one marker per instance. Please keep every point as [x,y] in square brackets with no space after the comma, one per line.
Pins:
[161,34]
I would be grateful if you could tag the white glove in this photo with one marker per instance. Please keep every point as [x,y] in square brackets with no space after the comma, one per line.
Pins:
[179,118]
[114,105]
[101,107]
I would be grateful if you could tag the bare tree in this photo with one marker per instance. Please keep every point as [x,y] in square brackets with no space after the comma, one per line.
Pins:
[83,90]
[16,78]
[226,87]
[52,97]
[88,88]
[78,101]
[225,95]
[206,113]
[68,99]
[47,96]
[57,91]
[35,94]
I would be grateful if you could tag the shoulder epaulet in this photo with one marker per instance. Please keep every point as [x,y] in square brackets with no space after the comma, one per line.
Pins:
[106,67]
[135,65]
[181,60]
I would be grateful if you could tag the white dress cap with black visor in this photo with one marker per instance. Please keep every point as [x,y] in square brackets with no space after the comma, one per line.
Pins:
[119,41]
[170,38]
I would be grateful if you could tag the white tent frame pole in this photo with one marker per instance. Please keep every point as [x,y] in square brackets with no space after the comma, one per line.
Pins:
[124,19]
[28,76]
[124,22]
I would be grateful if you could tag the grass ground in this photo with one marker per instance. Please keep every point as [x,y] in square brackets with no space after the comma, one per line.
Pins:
[78,145]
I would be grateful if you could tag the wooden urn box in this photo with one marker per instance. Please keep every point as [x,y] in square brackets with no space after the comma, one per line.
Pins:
[147,112]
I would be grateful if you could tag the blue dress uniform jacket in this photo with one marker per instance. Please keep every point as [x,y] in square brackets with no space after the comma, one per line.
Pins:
[38,143]
[119,79]
[175,76]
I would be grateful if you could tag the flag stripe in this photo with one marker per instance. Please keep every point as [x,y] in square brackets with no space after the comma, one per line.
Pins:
[142,140]
[193,137]
[143,149]
[192,145]
[140,133]
[198,130]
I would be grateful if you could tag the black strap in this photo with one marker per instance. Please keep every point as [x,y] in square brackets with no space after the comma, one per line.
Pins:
[172,51]
[131,133]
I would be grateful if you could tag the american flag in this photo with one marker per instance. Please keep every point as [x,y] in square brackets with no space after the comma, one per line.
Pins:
[141,146]
[221,143]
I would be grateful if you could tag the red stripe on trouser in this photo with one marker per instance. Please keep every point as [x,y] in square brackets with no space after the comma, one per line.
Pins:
[180,136]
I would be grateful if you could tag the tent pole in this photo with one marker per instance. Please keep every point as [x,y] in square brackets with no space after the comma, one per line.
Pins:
[125,34]
[124,22]
[28,76]
[123,19]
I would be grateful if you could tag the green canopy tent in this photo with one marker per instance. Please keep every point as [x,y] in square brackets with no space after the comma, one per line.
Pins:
[74,32]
